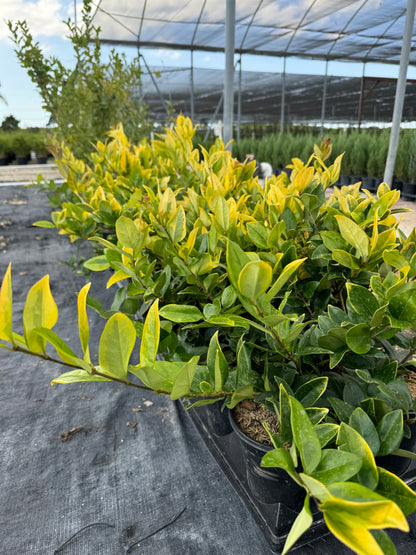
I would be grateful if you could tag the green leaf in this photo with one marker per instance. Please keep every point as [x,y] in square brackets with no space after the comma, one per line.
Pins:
[302,523]
[354,235]
[183,381]
[326,432]
[384,541]
[402,306]
[284,415]
[236,260]
[181,313]
[395,259]
[40,311]
[6,303]
[150,337]
[259,234]
[177,226]
[390,486]
[127,233]
[333,240]
[345,259]
[44,223]
[362,423]
[390,431]
[116,345]
[79,376]
[308,393]
[316,488]
[336,466]
[241,393]
[279,458]
[362,301]
[97,263]
[217,363]
[359,338]
[254,279]
[350,440]
[305,437]
[342,409]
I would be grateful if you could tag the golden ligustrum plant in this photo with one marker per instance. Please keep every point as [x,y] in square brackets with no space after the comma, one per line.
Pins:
[294,293]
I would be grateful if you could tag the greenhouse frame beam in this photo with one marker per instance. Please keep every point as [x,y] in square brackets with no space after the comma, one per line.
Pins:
[229,71]
[272,53]
[400,92]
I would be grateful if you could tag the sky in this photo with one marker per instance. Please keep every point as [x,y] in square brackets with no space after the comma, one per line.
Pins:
[45,20]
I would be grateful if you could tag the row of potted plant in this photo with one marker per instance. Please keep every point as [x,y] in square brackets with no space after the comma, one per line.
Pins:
[303,304]
[19,144]
[365,151]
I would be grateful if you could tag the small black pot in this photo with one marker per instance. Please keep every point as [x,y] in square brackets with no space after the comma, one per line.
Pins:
[344,180]
[369,183]
[409,191]
[268,485]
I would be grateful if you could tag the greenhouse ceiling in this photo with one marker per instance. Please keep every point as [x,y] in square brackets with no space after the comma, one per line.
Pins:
[360,31]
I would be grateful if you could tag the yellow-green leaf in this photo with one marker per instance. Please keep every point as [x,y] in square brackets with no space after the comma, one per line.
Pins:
[150,337]
[359,539]
[367,514]
[117,276]
[79,376]
[354,235]
[116,344]
[254,279]
[83,326]
[287,272]
[302,523]
[40,311]
[183,381]
[6,303]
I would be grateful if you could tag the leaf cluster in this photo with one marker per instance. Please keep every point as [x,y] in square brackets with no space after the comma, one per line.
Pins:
[293,292]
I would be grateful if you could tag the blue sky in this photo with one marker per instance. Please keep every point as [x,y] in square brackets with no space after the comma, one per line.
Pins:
[45,19]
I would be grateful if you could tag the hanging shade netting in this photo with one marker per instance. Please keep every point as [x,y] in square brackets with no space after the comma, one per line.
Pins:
[262,96]
[361,30]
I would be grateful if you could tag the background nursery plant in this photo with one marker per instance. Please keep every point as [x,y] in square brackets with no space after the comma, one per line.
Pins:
[284,293]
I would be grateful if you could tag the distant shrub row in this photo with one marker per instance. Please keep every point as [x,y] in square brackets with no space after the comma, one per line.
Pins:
[365,152]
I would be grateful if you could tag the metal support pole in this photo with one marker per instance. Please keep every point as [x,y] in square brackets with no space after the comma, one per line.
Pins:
[239,101]
[192,87]
[360,103]
[214,117]
[324,99]
[229,71]
[282,108]
[400,92]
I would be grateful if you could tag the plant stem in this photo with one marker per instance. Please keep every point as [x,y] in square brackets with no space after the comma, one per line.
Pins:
[95,372]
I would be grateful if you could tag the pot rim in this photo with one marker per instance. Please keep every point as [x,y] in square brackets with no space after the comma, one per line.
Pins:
[245,438]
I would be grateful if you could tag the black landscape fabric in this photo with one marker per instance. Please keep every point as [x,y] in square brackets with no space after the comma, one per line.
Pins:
[101,468]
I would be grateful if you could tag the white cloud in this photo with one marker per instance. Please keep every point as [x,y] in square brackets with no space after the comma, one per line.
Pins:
[44,17]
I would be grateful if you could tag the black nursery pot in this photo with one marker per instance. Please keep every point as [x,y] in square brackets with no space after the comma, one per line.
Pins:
[267,485]
[216,419]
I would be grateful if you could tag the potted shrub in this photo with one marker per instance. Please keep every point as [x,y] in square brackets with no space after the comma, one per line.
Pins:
[303,304]
[4,148]
[40,146]
[21,145]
